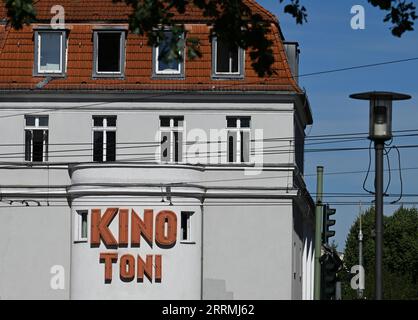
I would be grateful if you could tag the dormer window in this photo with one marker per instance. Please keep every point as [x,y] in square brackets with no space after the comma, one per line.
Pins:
[109,53]
[165,65]
[227,60]
[50,51]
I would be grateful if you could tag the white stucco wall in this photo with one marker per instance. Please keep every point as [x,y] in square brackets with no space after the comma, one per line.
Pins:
[32,241]
[247,250]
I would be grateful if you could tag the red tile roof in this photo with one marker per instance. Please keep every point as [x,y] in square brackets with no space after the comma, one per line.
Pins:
[105,10]
[17,55]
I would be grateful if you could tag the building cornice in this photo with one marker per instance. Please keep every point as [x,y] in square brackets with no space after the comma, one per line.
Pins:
[145,96]
[62,96]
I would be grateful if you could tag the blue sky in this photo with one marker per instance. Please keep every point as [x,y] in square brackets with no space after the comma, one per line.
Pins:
[327,42]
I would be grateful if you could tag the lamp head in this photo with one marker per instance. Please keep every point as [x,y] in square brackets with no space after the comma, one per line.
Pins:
[380,127]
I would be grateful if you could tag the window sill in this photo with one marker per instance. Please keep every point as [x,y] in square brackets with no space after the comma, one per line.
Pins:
[119,76]
[243,164]
[81,241]
[227,77]
[187,242]
[167,76]
[50,75]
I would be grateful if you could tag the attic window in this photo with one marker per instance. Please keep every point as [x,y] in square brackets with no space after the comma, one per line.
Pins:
[227,59]
[50,49]
[166,65]
[109,53]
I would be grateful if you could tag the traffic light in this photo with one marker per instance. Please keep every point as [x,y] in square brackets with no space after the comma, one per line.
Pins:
[330,265]
[327,223]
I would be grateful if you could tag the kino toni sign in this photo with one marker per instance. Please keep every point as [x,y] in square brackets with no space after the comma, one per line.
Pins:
[161,231]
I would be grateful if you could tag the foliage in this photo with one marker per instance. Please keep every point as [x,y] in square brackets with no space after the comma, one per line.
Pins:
[20,12]
[232,20]
[400,255]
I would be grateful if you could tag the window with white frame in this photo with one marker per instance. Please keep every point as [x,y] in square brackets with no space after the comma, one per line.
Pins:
[238,139]
[104,138]
[36,138]
[171,131]
[228,59]
[50,52]
[109,53]
[81,226]
[165,63]
[185,222]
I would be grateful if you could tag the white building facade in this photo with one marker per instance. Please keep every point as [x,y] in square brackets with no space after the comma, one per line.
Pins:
[152,194]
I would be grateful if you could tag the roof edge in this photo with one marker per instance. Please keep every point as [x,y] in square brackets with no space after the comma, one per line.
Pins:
[147,96]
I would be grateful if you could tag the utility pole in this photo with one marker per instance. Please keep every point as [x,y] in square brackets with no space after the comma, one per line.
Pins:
[379,145]
[318,228]
[360,256]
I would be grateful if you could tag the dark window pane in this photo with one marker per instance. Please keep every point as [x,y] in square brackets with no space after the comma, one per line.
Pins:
[50,51]
[178,121]
[46,132]
[242,146]
[164,121]
[231,149]
[226,57]
[28,145]
[111,121]
[98,121]
[38,145]
[111,146]
[167,61]
[43,121]
[234,59]
[30,121]
[98,146]
[231,122]
[184,220]
[222,57]
[245,122]
[108,52]
[176,146]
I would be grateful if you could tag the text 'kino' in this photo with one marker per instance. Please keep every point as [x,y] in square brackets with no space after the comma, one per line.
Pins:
[165,228]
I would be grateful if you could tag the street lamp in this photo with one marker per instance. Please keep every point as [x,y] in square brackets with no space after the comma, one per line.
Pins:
[380,130]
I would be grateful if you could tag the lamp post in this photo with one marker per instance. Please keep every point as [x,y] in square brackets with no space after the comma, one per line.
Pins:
[380,130]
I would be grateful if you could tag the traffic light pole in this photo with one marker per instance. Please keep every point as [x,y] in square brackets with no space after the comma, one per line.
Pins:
[318,228]
[379,146]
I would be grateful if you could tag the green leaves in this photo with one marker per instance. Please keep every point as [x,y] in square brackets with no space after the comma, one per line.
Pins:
[297,11]
[402,14]
[402,17]
[400,254]
[231,20]
[20,12]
